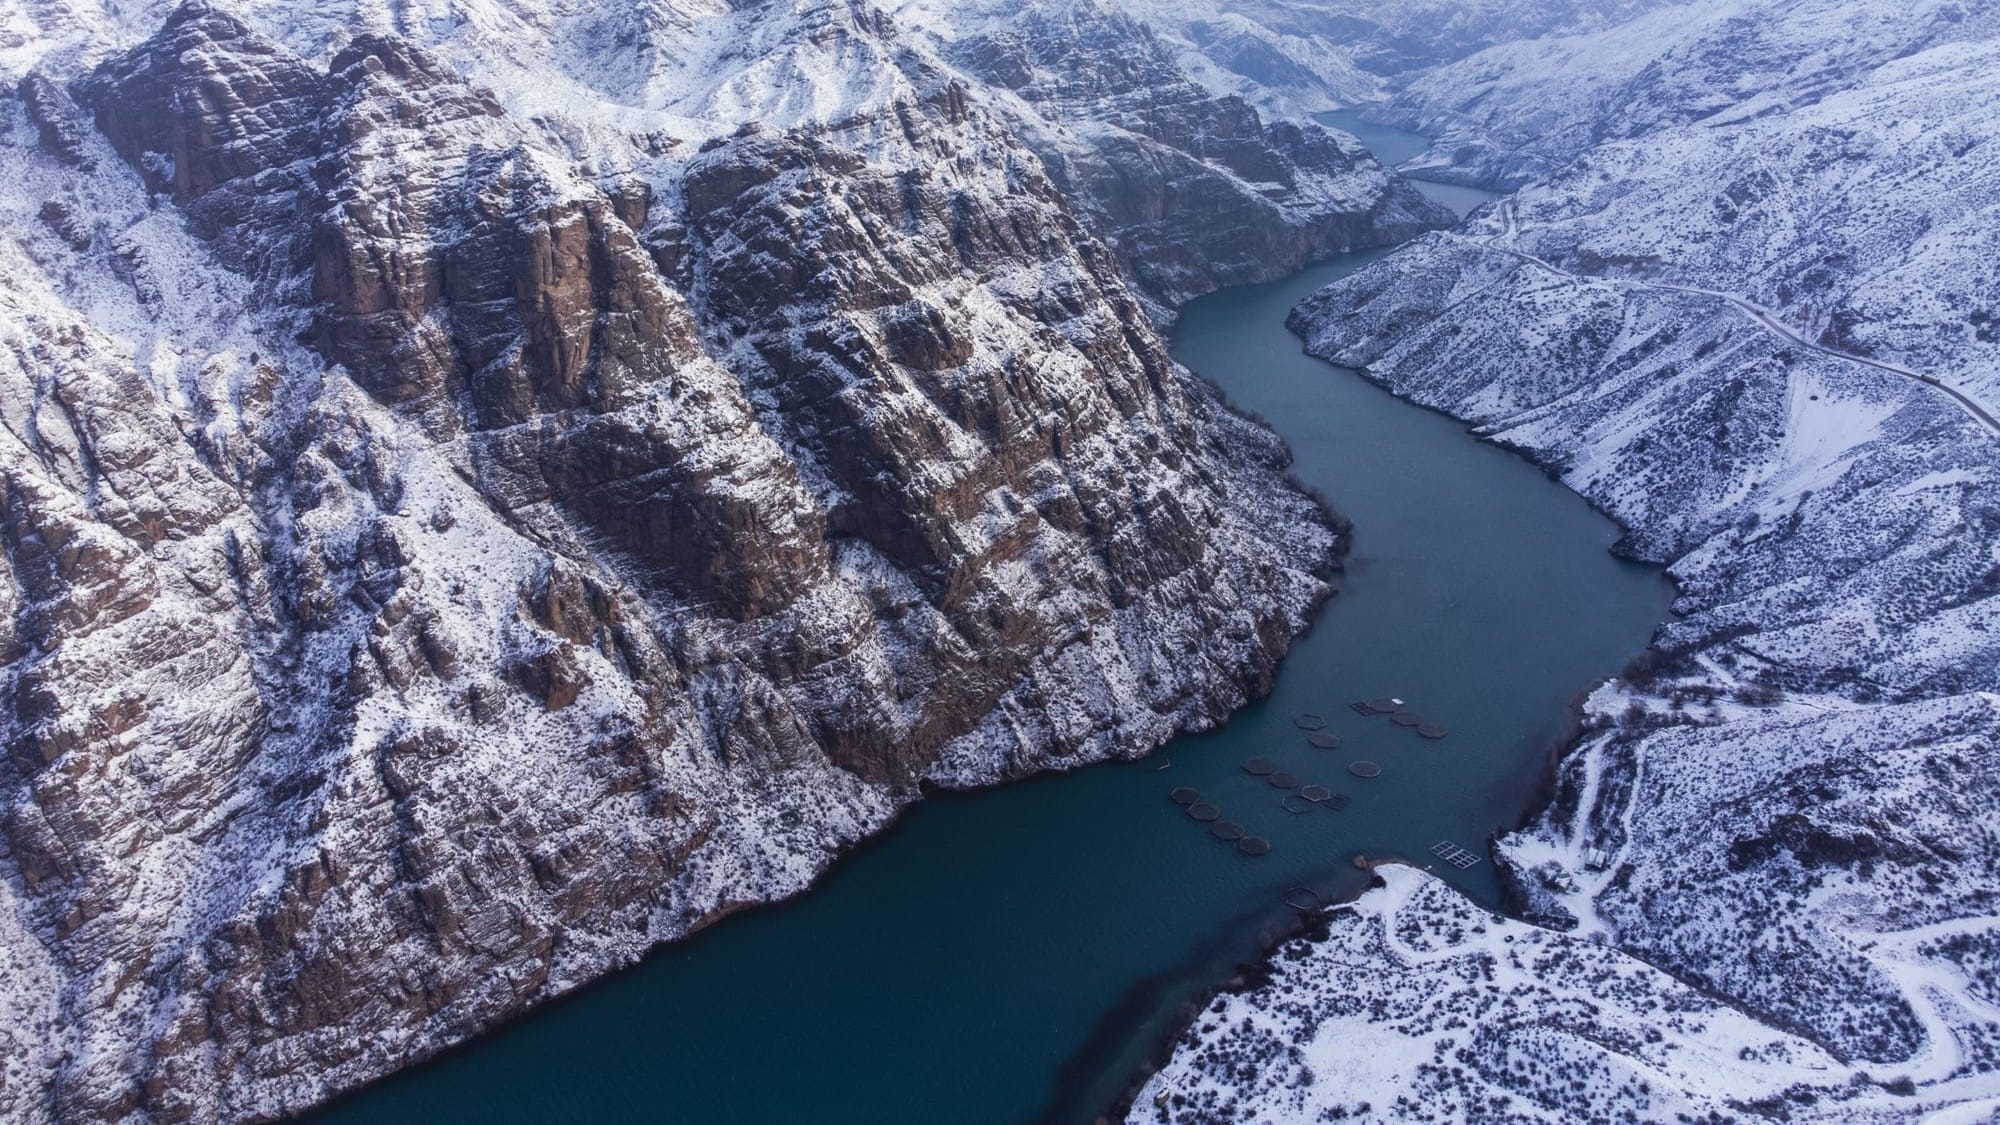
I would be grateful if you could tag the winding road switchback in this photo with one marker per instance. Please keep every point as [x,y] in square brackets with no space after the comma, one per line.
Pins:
[1758,314]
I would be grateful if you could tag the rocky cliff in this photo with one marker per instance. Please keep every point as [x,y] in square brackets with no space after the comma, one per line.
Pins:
[488,492]
[1194,190]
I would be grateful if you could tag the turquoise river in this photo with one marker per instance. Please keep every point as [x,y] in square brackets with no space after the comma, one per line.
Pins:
[1018,954]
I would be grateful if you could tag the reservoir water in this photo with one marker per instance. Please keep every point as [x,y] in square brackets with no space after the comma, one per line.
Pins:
[1015,954]
[1392,146]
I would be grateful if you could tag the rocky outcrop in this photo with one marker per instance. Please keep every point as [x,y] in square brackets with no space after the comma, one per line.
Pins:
[1194,191]
[451,549]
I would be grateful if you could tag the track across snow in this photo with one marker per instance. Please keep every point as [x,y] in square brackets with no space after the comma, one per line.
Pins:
[1764,318]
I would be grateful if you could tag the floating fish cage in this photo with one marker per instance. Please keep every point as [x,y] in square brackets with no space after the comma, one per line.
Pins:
[1453,854]
[1295,804]
[1407,719]
[1228,830]
[1184,795]
[1364,769]
[1304,899]
[1259,767]
[1254,845]
[1306,720]
[1315,792]
[1383,706]
[1282,780]
[1324,739]
[1431,730]
[1203,811]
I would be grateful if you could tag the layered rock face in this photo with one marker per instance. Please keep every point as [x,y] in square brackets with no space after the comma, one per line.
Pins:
[1760,340]
[458,537]
[1194,191]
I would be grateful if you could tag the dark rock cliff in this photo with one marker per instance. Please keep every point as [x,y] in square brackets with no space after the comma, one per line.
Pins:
[443,560]
[1195,192]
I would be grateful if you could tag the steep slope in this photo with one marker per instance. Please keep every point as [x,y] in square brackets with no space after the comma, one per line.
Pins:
[458,536]
[1524,110]
[1194,191]
[1417,1006]
[1720,332]
[1324,54]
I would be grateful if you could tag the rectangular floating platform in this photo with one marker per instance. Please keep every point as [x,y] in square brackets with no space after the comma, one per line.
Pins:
[1453,854]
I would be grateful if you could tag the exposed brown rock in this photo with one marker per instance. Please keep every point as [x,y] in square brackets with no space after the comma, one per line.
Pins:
[552,555]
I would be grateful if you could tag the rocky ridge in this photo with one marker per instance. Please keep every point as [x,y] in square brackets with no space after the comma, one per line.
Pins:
[490,491]
[1194,190]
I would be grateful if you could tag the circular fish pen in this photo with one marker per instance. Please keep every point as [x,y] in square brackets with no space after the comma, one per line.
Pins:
[1383,705]
[1304,899]
[1282,780]
[1227,830]
[1184,795]
[1306,720]
[1203,811]
[1259,767]
[1254,845]
[1407,719]
[1324,739]
[1430,730]
[1364,769]
[1295,804]
[1315,792]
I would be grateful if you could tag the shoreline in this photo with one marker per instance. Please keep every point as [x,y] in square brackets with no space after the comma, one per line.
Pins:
[1152,996]
[1337,523]
[1248,976]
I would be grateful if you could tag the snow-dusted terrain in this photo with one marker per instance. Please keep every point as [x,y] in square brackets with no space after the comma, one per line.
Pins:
[1744,302]
[1415,1005]
[1525,109]
[490,487]
[1190,186]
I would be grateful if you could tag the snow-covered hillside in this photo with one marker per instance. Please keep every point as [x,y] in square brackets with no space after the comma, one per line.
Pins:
[1758,335]
[1414,1005]
[1523,110]
[1296,57]
[1155,159]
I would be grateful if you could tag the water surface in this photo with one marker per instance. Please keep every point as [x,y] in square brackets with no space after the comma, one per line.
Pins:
[1012,954]
[1393,146]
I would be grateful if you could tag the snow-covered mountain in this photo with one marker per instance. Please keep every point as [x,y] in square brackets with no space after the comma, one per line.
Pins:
[1154,159]
[1745,305]
[1523,110]
[490,487]
[1297,57]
